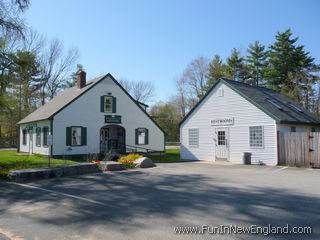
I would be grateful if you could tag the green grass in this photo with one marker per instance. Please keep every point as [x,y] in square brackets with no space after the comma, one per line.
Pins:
[171,155]
[10,161]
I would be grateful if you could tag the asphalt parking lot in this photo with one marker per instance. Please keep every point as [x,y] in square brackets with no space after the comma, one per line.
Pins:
[149,203]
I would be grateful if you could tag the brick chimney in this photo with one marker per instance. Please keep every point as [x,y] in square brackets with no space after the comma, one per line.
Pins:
[81,79]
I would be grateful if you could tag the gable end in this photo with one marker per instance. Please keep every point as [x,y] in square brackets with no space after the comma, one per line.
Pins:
[235,90]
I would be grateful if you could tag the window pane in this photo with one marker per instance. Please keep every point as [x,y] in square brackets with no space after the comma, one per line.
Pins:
[193,137]
[221,138]
[45,135]
[76,136]
[108,104]
[141,136]
[38,137]
[256,136]
[24,136]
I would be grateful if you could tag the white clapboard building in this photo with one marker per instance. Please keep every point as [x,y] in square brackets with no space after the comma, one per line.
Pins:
[92,117]
[234,118]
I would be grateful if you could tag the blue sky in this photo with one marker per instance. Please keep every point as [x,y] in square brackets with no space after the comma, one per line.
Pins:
[154,40]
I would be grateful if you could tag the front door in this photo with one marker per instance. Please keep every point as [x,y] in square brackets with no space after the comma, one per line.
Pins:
[104,137]
[222,143]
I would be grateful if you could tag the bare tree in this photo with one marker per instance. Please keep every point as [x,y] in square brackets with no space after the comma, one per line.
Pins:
[10,20]
[195,76]
[32,41]
[57,68]
[140,90]
[181,98]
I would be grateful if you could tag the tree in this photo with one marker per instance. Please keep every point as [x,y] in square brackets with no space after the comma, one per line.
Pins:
[257,62]
[236,68]
[195,76]
[168,118]
[57,67]
[73,81]
[141,91]
[216,71]
[25,74]
[10,21]
[286,62]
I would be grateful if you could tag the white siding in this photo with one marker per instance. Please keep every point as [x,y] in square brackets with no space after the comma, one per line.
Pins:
[245,114]
[85,112]
[31,143]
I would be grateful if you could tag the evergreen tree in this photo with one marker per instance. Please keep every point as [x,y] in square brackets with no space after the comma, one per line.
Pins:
[236,68]
[217,70]
[257,62]
[287,60]
[25,74]
[73,81]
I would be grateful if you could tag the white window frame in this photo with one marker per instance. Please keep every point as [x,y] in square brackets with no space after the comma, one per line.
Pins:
[193,137]
[142,134]
[80,135]
[262,138]
[24,136]
[111,104]
[45,134]
[38,137]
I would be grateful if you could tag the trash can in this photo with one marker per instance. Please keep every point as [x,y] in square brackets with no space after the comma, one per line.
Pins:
[246,157]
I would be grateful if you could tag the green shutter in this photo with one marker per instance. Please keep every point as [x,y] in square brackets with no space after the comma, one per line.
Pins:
[83,136]
[102,103]
[147,137]
[68,136]
[114,104]
[137,142]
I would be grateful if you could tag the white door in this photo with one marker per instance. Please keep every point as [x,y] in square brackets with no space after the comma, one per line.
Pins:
[222,143]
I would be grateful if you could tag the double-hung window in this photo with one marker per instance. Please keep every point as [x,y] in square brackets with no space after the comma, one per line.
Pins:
[256,137]
[108,104]
[38,137]
[76,136]
[24,136]
[45,133]
[142,136]
[193,137]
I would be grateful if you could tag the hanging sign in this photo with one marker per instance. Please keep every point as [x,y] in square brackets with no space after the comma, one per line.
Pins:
[112,119]
[222,121]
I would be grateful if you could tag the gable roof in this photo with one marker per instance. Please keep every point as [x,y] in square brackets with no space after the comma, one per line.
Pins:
[61,101]
[286,111]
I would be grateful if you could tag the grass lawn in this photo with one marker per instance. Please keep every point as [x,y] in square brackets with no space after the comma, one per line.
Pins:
[171,155]
[9,161]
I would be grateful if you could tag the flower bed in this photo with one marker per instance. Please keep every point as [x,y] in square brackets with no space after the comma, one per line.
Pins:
[128,161]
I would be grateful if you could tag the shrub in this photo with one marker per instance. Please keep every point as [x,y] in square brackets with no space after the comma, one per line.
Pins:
[128,161]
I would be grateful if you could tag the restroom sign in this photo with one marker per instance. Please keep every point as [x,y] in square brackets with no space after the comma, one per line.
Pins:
[222,121]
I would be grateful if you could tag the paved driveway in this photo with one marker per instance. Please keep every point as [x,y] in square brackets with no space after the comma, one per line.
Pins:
[148,204]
